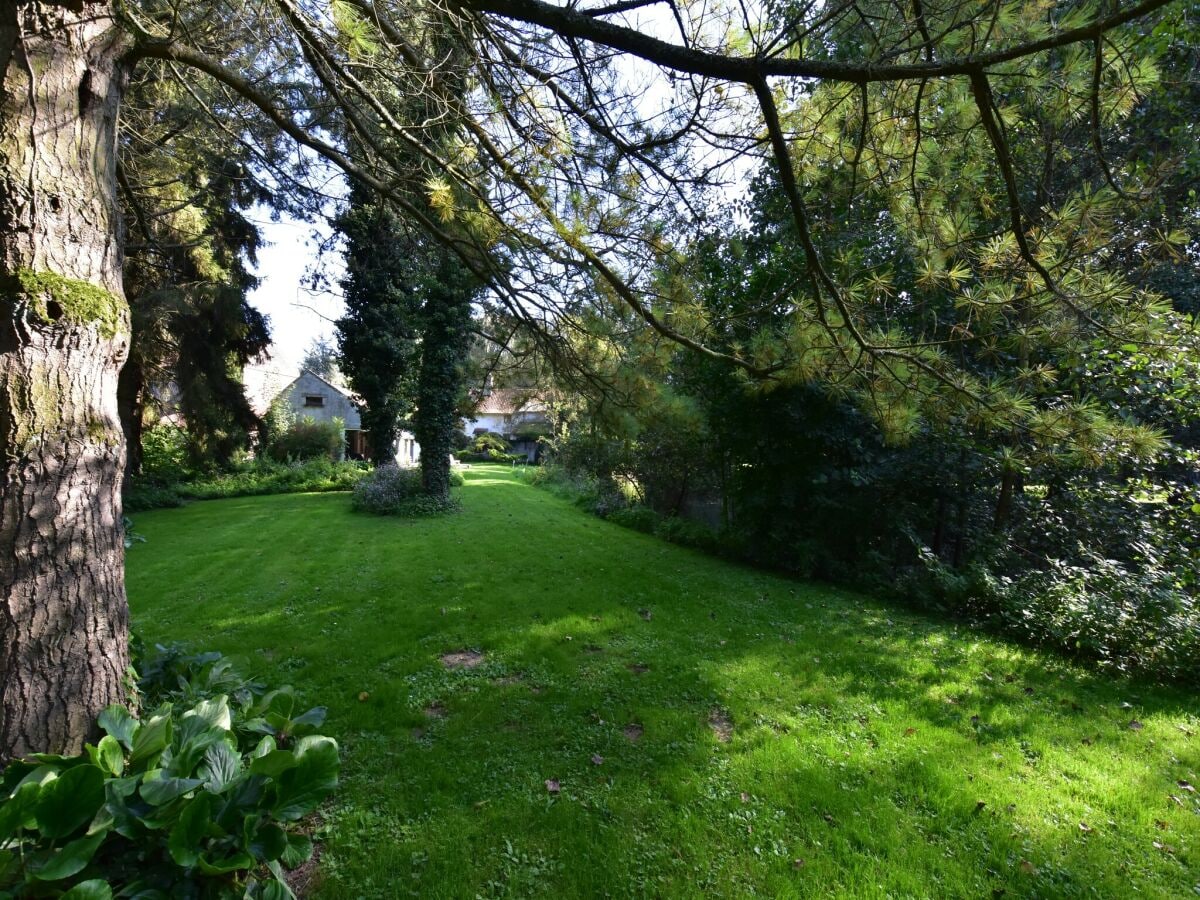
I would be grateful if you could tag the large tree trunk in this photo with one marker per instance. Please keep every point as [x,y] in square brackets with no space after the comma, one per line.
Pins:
[64,333]
[131,405]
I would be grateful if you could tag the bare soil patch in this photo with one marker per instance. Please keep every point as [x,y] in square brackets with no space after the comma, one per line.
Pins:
[721,725]
[462,659]
[634,732]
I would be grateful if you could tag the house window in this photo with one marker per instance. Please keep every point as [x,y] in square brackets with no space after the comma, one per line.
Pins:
[314,400]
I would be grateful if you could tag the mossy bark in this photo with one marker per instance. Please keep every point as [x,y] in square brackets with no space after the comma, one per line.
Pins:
[64,330]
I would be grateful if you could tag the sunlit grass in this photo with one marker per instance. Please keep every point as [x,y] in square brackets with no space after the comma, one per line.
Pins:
[873,752]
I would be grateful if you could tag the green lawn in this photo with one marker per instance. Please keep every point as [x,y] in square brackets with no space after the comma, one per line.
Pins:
[862,750]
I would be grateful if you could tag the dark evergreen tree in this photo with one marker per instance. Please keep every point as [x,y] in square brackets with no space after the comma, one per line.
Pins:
[377,337]
[447,291]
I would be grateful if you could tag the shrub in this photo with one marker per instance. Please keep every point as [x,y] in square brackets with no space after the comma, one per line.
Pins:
[639,518]
[165,453]
[489,441]
[142,494]
[392,491]
[308,439]
[490,456]
[678,530]
[261,476]
[199,797]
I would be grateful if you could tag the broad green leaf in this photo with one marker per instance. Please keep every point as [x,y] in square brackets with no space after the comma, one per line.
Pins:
[150,739]
[214,711]
[222,766]
[108,755]
[238,862]
[69,801]
[94,889]
[17,811]
[274,763]
[276,889]
[160,790]
[267,841]
[299,850]
[314,718]
[265,746]
[184,843]
[302,788]
[71,859]
[117,721]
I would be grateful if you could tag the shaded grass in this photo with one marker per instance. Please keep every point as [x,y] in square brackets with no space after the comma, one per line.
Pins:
[873,752]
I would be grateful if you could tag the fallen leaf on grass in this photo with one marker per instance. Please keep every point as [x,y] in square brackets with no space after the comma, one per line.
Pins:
[1135,725]
[909,732]
[363,696]
[1165,848]
[1086,828]
[1161,825]
[552,786]
[1028,868]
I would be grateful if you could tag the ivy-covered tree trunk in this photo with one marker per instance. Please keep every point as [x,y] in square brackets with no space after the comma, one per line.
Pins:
[64,331]
[445,340]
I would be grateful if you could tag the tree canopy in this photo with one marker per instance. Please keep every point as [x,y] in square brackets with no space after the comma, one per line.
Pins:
[954,204]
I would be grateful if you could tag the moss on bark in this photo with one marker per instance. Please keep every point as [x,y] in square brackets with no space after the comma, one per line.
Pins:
[53,298]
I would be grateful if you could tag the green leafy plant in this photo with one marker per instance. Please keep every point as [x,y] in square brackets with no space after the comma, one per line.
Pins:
[262,476]
[199,796]
[308,439]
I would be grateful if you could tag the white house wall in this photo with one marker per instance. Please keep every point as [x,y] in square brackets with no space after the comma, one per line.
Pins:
[336,404]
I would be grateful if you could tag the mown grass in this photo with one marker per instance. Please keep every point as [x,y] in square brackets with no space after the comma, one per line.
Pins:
[873,752]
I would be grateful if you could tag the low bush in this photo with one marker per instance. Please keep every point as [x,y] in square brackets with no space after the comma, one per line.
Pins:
[489,456]
[393,491]
[639,518]
[489,441]
[261,476]
[307,439]
[199,796]
[1133,622]
[608,502]
[165,453]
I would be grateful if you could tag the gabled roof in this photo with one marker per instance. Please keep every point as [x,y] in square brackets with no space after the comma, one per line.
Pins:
[345,393]
[507,401]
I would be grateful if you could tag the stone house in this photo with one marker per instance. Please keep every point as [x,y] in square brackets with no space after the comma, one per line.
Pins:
[311,395]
